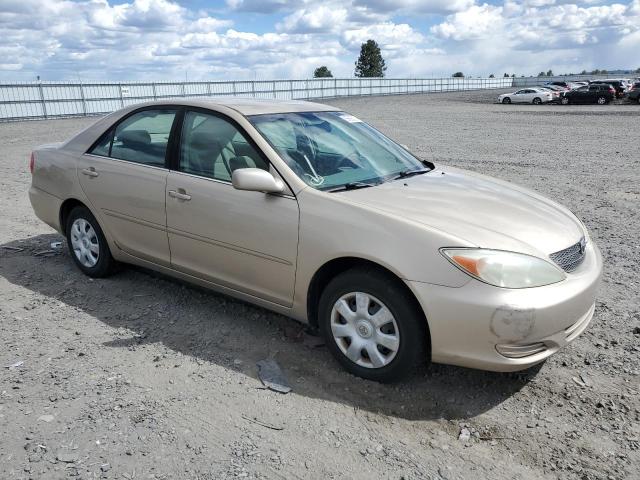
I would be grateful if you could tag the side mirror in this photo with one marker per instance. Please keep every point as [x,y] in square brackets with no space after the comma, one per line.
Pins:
[256,180]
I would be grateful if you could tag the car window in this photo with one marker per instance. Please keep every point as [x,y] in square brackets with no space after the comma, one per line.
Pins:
[582,89]
[140,138]
[520,92]
[213,147]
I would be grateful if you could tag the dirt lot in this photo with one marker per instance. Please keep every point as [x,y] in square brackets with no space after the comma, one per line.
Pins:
[140,377]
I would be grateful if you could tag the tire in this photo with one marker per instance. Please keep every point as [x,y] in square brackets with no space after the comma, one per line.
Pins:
[401,326]
[537,101]
[87,244]
[565,101]
[506,100]
[601,100]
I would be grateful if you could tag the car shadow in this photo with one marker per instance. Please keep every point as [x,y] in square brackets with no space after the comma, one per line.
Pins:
[210,327]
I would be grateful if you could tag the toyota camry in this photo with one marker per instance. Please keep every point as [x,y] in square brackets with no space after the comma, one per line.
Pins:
[308,211]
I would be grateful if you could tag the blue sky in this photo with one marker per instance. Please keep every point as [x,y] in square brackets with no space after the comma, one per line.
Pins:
[267,39]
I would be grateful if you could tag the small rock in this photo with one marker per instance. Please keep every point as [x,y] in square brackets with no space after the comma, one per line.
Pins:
[46,418]
[465,435]
[67,457]
[105,467]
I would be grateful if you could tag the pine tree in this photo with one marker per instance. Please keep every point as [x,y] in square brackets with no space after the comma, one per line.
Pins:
[370,62]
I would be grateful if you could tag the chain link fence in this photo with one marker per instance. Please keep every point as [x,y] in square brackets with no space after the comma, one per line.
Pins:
[40,100]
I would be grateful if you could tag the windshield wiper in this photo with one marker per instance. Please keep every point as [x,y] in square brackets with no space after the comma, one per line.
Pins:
[351,186]
[409,173]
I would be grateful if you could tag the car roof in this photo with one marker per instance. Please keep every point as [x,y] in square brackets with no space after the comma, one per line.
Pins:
[249,106]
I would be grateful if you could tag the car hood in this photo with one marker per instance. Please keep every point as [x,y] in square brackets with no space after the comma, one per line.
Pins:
[482,211]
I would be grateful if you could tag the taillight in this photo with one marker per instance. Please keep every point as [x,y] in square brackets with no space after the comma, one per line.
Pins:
[32,163]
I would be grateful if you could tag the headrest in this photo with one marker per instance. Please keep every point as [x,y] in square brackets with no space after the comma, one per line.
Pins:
[202,139]
[241,162]
[135,137]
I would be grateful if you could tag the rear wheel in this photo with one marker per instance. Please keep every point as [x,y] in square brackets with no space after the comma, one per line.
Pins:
[87,243]
[602,100]
[537,101]
[372,325]
[565,101]
[506,100]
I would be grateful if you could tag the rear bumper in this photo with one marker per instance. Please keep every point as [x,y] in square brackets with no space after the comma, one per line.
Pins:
[490,328]
[46,207]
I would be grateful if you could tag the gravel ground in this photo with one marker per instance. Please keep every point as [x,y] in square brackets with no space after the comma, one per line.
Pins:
[139,376]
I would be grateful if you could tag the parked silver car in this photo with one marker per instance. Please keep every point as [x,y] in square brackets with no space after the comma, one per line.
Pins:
[308,211]
[534,95]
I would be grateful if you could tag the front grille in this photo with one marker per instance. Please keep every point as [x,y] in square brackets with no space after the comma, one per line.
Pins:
[570,258]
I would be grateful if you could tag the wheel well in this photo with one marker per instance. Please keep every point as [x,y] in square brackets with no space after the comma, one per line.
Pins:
[65,210]
[335,267]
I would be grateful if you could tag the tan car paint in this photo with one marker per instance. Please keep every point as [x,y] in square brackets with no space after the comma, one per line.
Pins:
[244,240]
[130,199]
[255,258]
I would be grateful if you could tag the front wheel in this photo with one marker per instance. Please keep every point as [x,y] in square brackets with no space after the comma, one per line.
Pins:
[602,100]
[372,325]
[564,101]
[537,101]
[506,100]
[88,245]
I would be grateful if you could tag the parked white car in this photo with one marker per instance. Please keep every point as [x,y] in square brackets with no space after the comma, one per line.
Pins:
[537,96]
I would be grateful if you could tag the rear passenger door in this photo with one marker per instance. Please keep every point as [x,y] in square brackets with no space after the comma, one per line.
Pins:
[124,177]
[593,94]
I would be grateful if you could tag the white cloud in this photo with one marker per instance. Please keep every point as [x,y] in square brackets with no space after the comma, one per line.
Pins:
[165,39]
[476,22]
[319,19]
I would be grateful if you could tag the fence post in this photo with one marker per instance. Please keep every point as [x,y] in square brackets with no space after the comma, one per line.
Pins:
[291,89]
[274,89]
[184,93]
[121,99]
[253,88]
[153,89]
[335,87]
[233,88]
[44,104]
[84,103]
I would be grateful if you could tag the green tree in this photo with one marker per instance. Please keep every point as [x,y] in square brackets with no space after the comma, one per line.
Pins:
[541,74]
[322,72]
[492,76]
[637,70]
[550,73]
[583,72]
[506,75]
[370,62]
[458,75]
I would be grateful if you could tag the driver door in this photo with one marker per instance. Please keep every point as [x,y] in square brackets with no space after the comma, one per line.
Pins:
[246,241]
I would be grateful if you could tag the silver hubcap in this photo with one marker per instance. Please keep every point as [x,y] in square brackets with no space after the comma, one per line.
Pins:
[365,330]
[84,243]
[601,101]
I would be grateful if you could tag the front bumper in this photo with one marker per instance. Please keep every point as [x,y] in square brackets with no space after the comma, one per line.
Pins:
[491,328]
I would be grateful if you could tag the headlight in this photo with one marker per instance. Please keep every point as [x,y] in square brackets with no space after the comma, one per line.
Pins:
[504,269]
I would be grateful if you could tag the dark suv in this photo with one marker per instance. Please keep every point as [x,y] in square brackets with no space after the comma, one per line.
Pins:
[633,94]
[599,93]
[618,85]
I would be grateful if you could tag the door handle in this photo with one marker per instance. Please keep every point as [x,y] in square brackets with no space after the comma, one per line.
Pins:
[180,195]
[90,172]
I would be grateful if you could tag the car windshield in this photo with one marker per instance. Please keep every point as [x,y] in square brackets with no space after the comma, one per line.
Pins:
[334,150]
